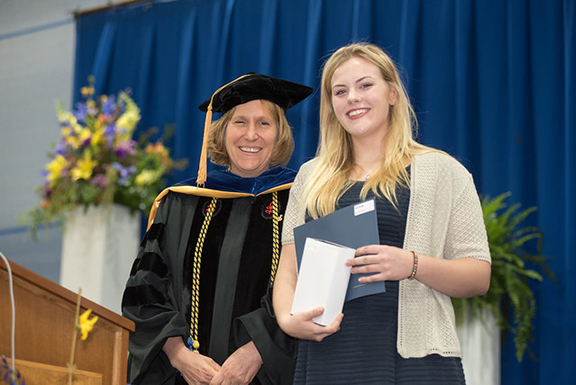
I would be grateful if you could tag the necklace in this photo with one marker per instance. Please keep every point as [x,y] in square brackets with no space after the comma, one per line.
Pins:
[367,174]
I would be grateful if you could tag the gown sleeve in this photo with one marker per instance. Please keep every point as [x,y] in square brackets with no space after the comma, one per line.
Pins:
[150,301]
[276,347]
[278,350]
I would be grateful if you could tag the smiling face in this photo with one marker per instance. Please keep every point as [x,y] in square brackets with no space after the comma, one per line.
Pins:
[361,99]
[249,139]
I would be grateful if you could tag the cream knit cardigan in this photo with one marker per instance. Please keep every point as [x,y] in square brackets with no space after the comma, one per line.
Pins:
[444,221]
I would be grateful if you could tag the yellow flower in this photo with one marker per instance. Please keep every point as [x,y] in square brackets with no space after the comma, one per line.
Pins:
[73,142]
[77,128]
[86,325]
[55,168]
[131,116]
[96,138]
[147,177]
[97,132]
[128,121]
[87,91]
[73,130]
[65,116]
[84,168]
[84,134]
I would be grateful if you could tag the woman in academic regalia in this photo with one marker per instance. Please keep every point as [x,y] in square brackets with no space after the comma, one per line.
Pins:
[198,290]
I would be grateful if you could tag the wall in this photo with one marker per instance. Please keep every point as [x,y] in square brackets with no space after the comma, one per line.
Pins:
[37,41]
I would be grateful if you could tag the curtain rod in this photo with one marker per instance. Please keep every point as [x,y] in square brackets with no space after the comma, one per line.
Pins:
[109,6]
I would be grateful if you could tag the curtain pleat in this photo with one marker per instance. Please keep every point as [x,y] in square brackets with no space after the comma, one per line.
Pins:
[466,106]
[104,57]
[147,62]
[187,143]
[268,21]
[567,265]
[493,83]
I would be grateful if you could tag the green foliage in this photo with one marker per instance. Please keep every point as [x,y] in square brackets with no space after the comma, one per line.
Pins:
[510,297]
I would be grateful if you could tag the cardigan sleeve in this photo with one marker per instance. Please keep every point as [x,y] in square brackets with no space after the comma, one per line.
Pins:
[466,232]
[444,221]
[295,210]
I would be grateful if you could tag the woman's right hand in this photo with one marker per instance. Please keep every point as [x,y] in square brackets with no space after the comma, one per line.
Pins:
[194,367]
[302,326]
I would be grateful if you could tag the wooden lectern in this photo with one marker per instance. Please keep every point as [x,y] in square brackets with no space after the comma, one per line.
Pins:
[45,314]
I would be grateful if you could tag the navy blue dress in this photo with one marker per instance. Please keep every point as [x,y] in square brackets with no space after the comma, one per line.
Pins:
[364,350]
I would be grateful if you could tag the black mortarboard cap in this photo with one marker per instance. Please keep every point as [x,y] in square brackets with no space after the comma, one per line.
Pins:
[250,87]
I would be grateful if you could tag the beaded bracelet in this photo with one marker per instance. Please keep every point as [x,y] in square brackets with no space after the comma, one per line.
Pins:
[414,267]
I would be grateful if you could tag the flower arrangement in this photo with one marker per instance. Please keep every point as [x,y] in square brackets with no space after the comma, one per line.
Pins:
[98,162]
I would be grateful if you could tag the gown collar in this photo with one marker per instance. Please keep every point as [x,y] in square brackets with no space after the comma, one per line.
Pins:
[223,180]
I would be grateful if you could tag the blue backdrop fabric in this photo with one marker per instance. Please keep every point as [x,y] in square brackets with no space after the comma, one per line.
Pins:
[493,83]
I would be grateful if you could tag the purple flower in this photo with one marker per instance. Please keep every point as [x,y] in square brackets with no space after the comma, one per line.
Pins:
[125,148]
[80,111]
[99,181]
[109,105]
[109,133]
[8,375]
[125,172]
[110,130]
[46,192]
[60,149]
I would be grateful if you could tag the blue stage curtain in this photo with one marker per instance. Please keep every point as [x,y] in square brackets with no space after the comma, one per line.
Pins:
[493,82]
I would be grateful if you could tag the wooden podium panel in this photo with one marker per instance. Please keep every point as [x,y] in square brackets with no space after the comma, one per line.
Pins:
[45,314]
[35,373]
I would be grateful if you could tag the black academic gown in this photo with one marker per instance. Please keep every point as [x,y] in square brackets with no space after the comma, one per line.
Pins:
[235,298]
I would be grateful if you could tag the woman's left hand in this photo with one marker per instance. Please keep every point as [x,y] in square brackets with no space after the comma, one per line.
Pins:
[384,263]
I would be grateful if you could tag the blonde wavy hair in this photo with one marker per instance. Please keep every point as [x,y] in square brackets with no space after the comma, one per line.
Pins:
[335,157]
[283,147]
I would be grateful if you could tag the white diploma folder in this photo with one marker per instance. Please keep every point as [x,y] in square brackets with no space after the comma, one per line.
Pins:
[322,279]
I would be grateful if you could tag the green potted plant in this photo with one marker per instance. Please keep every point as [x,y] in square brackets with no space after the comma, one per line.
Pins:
[510,298]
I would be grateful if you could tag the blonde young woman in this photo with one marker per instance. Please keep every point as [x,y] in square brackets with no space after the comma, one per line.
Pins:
[433,242]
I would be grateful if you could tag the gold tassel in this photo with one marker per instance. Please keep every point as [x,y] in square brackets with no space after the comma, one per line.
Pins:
[207,123]
[204,153]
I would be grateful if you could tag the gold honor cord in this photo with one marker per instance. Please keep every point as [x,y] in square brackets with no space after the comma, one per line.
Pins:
[275,237]
[193,342]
